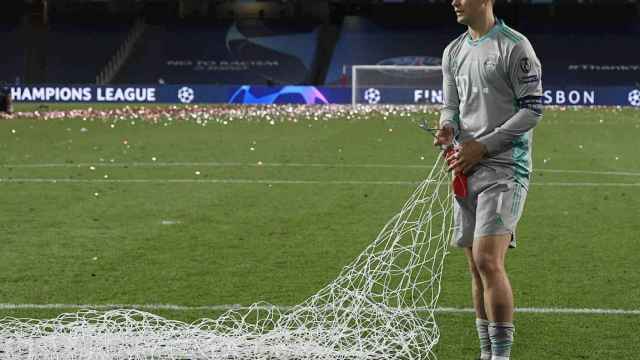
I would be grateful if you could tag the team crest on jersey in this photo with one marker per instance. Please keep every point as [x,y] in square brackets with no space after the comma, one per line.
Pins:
[490,63]
[526,77]
[525,65]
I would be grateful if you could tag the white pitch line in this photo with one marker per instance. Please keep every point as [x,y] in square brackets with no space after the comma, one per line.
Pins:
[206,181]
[587,172]
[225,307]
[267,164]
[275,181]
[585,184]
[213,164]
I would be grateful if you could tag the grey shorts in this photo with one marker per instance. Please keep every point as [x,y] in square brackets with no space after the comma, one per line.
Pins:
[493,206]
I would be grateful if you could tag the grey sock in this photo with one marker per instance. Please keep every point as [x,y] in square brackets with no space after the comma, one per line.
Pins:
[482,326]
[501,335]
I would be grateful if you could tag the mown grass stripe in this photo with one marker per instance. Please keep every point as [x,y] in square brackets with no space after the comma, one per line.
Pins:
[277,181]
[267,164]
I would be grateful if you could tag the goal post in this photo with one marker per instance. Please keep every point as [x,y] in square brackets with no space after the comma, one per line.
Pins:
[396,84]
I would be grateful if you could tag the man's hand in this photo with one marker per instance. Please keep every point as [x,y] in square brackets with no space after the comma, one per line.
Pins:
[444,136]
[466,156]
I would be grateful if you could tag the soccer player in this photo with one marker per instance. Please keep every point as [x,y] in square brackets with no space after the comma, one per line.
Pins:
[492,101]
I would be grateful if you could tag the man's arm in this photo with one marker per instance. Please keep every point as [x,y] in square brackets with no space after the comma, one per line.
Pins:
[450,112]
[525,74]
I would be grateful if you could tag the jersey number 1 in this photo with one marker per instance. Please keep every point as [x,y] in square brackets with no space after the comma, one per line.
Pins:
[462,83]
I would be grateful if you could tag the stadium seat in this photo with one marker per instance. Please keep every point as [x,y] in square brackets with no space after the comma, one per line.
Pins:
[12,62]
[77,53]
[367,43]
[568,60]
[232,53]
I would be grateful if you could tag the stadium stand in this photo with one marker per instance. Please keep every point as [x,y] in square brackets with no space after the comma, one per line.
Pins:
[76,53]
[248,53]
[365,42]
[588,59]
[568,59]
[12,61]
[221,49]
[586,45]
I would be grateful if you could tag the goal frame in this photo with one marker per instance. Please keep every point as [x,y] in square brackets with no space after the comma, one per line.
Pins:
[355,68]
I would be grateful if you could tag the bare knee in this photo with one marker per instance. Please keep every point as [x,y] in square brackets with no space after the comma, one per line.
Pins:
[488,264]
[473,269]
[489,254]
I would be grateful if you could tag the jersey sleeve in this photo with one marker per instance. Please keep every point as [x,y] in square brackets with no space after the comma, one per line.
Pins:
[525,75]
[450,112]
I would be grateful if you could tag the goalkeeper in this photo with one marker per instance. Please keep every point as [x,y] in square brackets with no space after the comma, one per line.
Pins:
[492,102]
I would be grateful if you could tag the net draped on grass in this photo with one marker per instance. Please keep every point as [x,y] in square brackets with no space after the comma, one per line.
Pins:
[381,306]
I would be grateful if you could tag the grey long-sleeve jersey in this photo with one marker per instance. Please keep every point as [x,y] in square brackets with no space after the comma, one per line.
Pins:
[493,94]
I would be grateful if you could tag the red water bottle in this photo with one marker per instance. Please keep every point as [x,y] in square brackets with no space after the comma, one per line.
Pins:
[459,183]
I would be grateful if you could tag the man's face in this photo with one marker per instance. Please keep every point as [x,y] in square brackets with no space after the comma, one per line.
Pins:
[468,10]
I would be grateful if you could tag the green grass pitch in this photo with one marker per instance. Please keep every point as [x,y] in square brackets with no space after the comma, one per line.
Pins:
[300,200]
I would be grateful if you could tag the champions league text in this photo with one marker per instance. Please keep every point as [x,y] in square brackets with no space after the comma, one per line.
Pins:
[84,94]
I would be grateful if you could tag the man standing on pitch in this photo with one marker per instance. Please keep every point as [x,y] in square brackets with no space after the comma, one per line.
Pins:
[492,101]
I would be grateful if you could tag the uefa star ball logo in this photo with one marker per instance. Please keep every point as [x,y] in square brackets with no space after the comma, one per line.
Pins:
[372,96]
[186,95]
[634,98]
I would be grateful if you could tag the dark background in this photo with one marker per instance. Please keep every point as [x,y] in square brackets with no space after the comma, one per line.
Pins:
[299,41]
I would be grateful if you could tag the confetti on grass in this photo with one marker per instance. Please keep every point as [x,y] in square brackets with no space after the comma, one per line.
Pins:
[227,114]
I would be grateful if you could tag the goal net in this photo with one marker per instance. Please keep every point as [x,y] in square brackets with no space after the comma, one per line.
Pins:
[381,306]
[396,84]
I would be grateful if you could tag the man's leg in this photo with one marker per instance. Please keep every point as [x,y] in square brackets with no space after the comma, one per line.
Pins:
[482,321]
[489,253]
[477,290]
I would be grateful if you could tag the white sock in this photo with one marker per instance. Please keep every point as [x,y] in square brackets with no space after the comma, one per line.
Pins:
[501,334]
[482,326]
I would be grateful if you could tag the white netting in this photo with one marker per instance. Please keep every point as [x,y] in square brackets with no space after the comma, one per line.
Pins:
[381,306]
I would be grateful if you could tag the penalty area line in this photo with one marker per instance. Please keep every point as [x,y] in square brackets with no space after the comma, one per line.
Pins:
[226,307]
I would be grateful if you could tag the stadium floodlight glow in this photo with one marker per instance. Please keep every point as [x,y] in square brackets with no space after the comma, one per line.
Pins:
[368,84]
[381,306]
